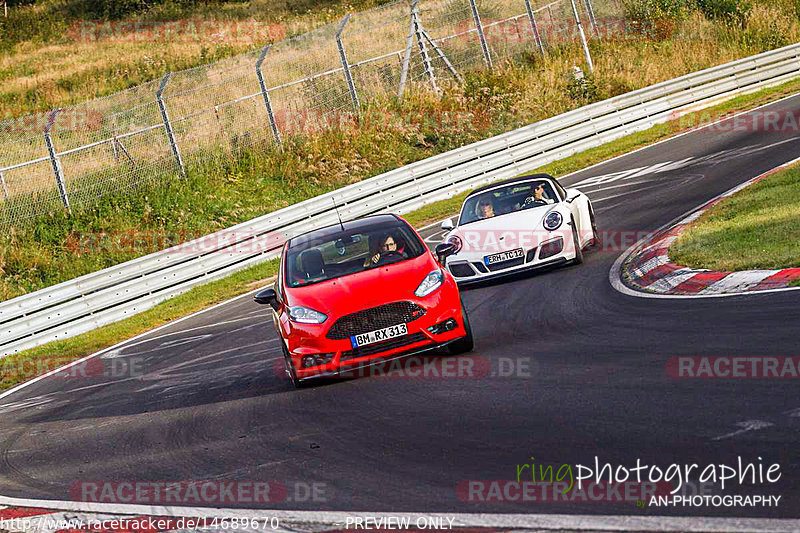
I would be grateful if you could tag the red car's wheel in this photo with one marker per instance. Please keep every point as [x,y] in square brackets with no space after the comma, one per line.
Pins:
[464,344]
[291,372]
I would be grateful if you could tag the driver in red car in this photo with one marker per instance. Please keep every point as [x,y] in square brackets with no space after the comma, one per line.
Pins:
[382,246]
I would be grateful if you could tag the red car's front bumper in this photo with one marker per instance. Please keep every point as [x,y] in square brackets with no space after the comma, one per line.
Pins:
[442,309]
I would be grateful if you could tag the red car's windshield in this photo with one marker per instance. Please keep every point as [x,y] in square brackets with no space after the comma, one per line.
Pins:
[349,252]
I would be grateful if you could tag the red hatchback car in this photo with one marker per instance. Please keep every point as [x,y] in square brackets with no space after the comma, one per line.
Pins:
[361,292]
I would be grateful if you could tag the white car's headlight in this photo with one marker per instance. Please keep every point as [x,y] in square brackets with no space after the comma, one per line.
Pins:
[304,315]
[553,221]
[431,282]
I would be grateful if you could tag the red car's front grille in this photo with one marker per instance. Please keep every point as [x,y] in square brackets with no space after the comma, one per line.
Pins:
[374,318]
[385,346]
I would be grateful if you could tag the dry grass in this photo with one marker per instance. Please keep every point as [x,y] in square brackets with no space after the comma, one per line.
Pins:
[242,181]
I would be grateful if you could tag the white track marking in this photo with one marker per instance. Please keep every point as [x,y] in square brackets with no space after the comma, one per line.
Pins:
[739,281]
[672,280]
[614,275]
[123,343]
[747,425]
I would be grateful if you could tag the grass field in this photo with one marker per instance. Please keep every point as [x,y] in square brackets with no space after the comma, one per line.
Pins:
[27,365]
[756,228]
[241,184]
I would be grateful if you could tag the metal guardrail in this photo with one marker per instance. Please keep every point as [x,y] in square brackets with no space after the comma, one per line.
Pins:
[103,297]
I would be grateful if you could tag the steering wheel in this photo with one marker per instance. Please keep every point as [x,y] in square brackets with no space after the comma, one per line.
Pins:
[530,200]
[389,256]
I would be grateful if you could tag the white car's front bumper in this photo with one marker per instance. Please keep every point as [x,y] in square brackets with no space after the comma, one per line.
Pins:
[471,267]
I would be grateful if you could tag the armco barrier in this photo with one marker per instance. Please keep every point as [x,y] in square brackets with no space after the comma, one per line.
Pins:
[103,297]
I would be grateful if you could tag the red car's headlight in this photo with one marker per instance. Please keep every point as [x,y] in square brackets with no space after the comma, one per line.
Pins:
[304,315]
[431,282]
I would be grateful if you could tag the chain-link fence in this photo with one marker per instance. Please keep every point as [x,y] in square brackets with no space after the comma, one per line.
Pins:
[74,156]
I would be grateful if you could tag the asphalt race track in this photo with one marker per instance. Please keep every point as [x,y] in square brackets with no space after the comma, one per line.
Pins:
[572,369]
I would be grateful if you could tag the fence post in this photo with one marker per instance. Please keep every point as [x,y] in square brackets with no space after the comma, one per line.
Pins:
[265,94]
[167,125]
[54,161]
[484,45]
[346,65]
[592,20]
[406,59]
[534,27]
[3,183]
[423,48]
[583,37]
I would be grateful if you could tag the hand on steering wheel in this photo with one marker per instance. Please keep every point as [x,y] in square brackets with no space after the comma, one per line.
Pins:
[532,200]
[387,256]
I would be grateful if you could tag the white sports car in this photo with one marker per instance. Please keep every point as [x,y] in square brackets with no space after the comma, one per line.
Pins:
[517,224]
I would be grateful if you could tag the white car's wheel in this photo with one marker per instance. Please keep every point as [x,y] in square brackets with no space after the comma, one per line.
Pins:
[595,240]
[576,243]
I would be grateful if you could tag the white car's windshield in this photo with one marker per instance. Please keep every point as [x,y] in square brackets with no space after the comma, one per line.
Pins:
[508,199]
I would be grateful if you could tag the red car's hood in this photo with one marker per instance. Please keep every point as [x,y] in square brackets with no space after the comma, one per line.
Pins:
[377,286]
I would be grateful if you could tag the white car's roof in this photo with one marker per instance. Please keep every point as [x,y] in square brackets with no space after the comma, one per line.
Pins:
[505,183]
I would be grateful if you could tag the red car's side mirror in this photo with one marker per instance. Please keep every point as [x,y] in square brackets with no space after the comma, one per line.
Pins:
[267,297]
[444,250]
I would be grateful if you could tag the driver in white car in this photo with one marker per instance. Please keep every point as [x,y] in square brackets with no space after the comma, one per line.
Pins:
[538,196]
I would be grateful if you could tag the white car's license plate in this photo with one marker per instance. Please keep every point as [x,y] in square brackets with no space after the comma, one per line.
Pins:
[378,335]
[503,256]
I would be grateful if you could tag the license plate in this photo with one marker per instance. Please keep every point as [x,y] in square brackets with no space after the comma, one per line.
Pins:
[378,335]
[503,256]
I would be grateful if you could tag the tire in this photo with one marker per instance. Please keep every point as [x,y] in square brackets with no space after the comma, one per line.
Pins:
[595,234]
[291,373]
[464,344]
[576,243]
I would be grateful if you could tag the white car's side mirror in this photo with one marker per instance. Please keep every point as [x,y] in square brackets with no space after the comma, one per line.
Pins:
[448,224]
[572,195]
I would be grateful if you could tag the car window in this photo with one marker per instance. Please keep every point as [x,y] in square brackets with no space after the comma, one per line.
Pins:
[345,253]
[509,199]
